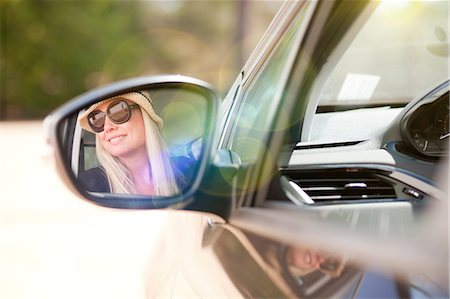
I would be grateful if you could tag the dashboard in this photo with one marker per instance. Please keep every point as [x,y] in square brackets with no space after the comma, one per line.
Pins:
[375,170]
[425,126]
[392,154]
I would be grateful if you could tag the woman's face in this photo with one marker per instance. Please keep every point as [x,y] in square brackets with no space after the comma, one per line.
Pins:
[305,258]
[123,140]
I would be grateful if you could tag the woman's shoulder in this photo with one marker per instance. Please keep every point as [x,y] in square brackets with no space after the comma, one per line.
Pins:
[183,163]
[183,169]
[94,179]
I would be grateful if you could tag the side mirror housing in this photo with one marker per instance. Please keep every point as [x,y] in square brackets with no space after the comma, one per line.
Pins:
[142,143]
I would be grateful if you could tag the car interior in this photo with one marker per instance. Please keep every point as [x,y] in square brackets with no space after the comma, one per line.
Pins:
[402,168]
[369,136]
[365,152]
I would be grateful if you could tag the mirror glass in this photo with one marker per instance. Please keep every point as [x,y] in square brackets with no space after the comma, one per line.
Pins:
[141,142]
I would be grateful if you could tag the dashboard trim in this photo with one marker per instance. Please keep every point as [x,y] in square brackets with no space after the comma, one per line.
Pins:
[406,177]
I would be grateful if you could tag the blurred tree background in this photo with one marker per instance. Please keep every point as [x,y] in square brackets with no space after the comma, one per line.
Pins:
[54,50]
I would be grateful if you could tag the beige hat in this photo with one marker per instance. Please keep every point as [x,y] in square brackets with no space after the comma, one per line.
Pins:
[141,98]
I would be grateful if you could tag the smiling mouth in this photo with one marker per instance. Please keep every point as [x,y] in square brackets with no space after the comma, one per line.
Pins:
[117,139]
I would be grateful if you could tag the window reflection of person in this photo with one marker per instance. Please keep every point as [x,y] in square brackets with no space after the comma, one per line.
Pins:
[280,266]
[129,147]
[302,261]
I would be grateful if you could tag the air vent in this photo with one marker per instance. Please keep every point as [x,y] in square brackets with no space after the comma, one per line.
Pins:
[338,185]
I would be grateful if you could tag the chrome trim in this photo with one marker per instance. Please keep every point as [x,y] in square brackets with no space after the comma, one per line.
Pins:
[75,161]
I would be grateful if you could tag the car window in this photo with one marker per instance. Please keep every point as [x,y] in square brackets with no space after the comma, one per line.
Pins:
[87,149]
[262,94]
[401,51]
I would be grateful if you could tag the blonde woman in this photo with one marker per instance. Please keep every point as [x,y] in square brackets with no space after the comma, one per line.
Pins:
[129,147]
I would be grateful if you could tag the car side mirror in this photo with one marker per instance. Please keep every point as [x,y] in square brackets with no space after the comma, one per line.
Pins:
[139,143]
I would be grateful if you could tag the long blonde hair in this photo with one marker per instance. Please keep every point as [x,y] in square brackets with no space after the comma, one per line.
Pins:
[162,174]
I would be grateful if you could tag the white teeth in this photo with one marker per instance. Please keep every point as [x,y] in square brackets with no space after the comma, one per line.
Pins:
[117,139]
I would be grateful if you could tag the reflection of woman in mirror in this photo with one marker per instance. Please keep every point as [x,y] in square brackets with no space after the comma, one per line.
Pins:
[129,146]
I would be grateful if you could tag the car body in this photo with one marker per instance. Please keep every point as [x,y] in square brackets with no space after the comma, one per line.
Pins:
[328,150]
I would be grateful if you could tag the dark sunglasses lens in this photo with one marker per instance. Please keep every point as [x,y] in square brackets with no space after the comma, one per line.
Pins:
[97,120]
[119,112]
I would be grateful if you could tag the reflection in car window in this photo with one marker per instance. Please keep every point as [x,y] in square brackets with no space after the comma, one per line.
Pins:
[400,52]
[262,97]
[87,149]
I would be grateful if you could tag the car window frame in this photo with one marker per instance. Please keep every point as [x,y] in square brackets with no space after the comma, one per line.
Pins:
[253,70]
[309,61]
[321,59]
[254,66]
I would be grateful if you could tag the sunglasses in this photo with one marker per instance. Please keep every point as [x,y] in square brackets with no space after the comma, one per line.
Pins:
[118,112]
